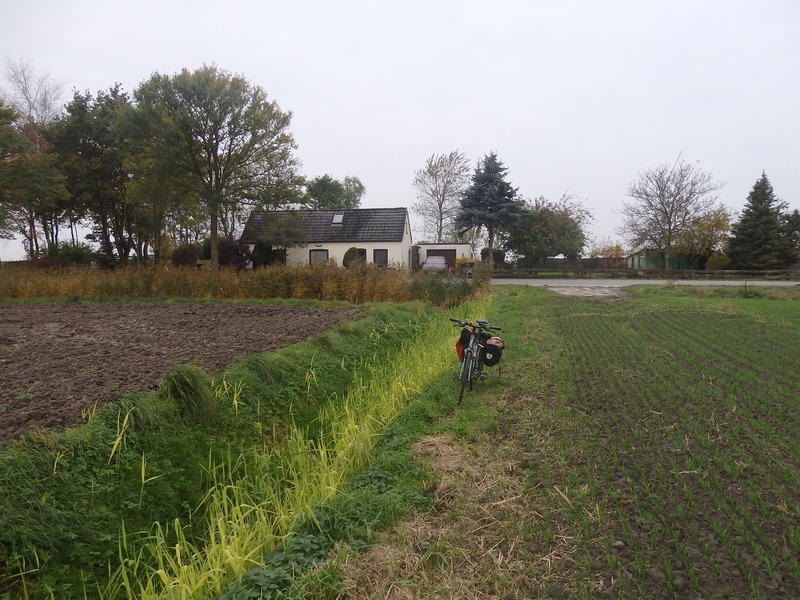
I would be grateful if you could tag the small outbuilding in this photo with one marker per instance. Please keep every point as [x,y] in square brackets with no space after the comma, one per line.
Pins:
[450,251]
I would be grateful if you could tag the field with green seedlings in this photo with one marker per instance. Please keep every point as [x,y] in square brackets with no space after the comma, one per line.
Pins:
[686,415]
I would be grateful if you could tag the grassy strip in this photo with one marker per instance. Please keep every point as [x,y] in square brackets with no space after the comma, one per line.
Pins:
[152,457]
[671,292]
[392,485]
[275,488]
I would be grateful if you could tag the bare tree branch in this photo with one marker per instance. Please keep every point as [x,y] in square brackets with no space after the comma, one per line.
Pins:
[439,186]
[666,202]
[37,97]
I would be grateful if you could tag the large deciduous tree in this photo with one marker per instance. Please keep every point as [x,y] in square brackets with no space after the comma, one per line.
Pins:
[610,253]
[35,196]
[92,155]
[489,202]
[35,97]
[440,185]
[546,229]
[705,236]
[218,131]
[665,202]
[12,145]
[34,199]
[327,193]
[766,234]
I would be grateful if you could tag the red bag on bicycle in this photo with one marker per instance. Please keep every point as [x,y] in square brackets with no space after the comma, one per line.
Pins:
[462,343]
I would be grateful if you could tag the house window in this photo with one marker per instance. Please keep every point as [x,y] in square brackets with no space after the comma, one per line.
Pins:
[315,256]
[337,218]
[380,257]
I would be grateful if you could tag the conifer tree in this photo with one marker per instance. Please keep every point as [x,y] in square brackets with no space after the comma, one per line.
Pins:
[489,201]
[763,237]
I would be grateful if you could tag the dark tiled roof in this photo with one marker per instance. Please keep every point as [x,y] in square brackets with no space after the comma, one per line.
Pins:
[358,224]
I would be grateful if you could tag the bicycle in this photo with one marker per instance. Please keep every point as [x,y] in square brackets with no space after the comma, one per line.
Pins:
[472,357]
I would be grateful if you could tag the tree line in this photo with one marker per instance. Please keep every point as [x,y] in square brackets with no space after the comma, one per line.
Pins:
[672,210]
[186,157]
[182,160]
[483,207]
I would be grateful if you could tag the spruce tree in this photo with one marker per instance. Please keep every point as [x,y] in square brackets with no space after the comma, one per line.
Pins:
[763,238]
[489,201]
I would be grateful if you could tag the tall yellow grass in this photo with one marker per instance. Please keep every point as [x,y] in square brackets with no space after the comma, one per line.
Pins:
[273,488]
[322,281]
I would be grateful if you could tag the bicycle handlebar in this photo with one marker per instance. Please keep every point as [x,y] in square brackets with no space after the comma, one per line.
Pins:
[481,324]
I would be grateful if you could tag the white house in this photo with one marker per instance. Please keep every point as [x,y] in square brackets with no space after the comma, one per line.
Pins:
[381,235]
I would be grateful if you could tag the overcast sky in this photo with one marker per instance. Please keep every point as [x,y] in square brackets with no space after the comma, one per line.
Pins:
[574,96]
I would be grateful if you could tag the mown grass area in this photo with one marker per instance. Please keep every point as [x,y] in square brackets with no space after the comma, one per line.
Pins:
[637,448]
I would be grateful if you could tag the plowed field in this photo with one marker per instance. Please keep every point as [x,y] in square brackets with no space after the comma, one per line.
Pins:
[57,360]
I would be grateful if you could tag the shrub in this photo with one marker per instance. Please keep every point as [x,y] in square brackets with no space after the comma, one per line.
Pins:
[352,257]
[717,262]
[264,255]
[186,256]
[78,254]
[499,256]
[234,253]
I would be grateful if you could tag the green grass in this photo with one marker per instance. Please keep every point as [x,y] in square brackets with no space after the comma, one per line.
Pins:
[641,448]
[152,458]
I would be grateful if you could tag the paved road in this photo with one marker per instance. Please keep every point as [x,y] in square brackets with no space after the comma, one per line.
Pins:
[626,282]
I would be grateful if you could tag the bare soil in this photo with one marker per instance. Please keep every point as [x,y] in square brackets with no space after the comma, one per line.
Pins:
[588,291]
[57,360]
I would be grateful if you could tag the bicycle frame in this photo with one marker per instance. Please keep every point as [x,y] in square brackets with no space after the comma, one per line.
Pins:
[472,364]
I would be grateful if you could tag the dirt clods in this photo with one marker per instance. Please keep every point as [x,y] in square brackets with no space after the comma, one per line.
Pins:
[59,359]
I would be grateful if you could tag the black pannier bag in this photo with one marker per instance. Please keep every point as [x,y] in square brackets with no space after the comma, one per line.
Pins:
[493,351]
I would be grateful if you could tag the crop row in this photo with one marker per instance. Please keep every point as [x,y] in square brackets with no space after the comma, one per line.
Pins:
[689,421]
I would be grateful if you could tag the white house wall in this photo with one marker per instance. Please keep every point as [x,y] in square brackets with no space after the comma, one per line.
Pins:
[398,252]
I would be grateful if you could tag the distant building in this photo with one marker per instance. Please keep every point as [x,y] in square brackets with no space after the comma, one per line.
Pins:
[653,259]
[450,252]
[381,235]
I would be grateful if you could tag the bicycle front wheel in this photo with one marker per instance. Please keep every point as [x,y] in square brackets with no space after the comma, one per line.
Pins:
[466,373]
